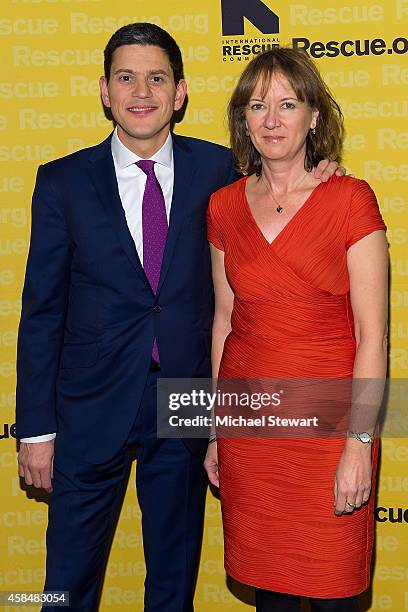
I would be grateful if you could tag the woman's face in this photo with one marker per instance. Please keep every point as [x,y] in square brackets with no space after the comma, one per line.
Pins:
[278,123]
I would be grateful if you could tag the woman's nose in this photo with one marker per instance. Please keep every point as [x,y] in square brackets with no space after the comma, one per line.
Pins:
[272,118]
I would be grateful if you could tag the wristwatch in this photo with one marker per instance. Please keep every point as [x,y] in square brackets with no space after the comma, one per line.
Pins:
[362,436]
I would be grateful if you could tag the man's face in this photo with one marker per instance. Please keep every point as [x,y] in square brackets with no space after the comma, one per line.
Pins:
[142,96]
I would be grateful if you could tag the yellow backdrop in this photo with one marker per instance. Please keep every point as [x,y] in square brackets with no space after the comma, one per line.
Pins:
[51,59]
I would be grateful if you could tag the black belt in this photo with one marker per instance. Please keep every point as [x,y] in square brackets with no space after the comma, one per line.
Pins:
[154,366]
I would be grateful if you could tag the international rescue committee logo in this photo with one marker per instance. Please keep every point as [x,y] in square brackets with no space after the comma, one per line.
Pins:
[237,47]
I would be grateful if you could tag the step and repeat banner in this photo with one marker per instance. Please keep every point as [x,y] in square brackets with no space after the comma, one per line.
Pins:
[52,57]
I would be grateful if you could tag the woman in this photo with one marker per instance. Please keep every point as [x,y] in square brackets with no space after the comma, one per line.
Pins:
[300,277]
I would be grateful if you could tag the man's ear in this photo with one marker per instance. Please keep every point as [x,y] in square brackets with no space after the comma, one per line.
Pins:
[103,88]
[181,92]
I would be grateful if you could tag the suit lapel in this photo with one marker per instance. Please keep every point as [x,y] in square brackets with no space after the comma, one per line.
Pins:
[184,170]
[104,179]
[103,175]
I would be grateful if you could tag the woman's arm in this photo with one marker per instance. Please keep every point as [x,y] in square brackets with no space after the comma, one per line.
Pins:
[224,299]
[367,262]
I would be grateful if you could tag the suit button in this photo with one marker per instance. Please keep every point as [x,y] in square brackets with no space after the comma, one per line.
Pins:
[157,308]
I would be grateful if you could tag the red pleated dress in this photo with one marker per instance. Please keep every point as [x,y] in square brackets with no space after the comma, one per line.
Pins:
[292,319]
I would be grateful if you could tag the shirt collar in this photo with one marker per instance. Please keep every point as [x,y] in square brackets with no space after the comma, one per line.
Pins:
[123,157]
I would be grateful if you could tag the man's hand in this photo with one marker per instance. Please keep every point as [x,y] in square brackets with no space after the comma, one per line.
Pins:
[211,464]
[35,463]
[326,168]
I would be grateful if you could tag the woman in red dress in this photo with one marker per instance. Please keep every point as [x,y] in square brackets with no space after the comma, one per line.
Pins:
[300,277]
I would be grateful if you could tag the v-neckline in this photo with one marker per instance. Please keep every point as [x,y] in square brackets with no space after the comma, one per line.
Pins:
[289,223]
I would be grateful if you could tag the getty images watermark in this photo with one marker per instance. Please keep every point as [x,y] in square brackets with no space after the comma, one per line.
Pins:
[215,404]
[281,408]
[297,408]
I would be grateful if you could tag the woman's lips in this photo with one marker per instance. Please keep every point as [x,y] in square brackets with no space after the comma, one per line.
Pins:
[274,139]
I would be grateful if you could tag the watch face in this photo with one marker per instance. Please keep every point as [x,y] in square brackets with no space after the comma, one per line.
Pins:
[365,437]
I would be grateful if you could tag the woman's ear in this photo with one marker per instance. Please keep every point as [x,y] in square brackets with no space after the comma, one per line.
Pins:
[315,115]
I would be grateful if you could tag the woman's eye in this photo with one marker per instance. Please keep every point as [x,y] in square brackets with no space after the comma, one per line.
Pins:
[288,105]
[256,106]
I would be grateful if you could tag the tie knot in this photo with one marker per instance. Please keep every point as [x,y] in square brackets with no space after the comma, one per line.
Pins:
[146,165]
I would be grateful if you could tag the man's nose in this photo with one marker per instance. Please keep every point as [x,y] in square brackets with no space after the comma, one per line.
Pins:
[141,88]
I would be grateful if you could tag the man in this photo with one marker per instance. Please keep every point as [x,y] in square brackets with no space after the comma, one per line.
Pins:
[117,293]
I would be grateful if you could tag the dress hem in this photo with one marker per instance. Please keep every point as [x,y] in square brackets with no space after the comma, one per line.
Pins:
[279,588]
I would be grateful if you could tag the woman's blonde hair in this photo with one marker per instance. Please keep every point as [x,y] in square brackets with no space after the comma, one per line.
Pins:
[307,83]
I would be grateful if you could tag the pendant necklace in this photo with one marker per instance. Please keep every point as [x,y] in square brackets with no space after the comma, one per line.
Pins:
[280,208]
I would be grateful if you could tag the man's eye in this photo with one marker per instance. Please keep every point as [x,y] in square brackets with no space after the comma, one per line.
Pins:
[157,78]
[125,77]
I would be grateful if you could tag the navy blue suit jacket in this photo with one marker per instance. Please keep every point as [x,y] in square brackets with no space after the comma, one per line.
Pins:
[89,316]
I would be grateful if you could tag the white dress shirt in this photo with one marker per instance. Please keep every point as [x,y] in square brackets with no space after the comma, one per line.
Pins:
[131,185]
[132,182]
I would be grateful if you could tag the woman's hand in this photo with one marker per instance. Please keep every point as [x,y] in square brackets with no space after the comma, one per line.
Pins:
[352,483]
[211,464]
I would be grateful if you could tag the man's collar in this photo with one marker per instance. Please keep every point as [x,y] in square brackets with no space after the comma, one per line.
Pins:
[123,157]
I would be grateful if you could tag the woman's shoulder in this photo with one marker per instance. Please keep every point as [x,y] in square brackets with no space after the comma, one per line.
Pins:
[225,206]
[347,188]
[229,191]
[348,182]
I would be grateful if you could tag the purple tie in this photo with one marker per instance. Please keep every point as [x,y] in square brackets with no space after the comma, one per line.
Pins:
[154,220]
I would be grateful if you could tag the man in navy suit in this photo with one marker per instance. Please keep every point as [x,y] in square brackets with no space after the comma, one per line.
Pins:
[111,303]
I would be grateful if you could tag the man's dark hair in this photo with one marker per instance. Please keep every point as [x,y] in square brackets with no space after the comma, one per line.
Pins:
[145,34]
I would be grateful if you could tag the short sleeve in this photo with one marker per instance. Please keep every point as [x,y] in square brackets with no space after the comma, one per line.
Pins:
[214,234]
[365,216]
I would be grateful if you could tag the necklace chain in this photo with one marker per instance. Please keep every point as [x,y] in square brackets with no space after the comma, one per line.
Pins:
[279,207]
